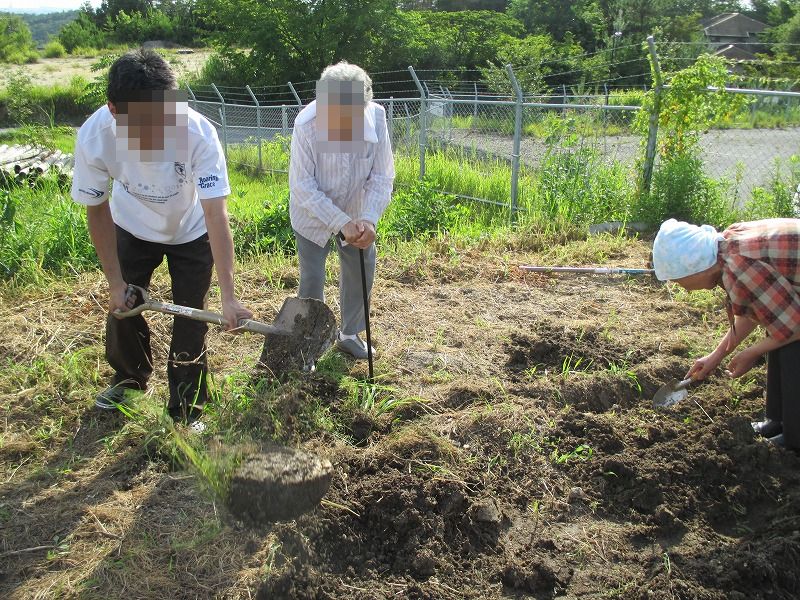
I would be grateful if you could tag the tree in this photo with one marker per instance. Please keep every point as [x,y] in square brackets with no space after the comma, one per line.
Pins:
[295,39]
[16,42]
[542,64]
[787,37]
[83,31]
[111,8]
[583,19]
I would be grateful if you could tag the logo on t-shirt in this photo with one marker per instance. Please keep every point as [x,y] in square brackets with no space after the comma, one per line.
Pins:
[91,192]
[180,169]
[208,182]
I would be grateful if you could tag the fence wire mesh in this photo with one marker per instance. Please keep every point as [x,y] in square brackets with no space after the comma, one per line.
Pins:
[565,141]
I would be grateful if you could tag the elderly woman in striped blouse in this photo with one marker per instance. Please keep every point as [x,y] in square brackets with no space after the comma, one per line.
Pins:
[341,174]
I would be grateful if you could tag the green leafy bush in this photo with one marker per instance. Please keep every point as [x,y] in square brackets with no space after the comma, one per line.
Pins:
[681,190]
[421,211]
[263,226]
[136,27]
[82,32]
[54,49]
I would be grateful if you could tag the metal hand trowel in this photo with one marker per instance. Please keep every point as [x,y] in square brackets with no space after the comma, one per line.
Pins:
[671,393]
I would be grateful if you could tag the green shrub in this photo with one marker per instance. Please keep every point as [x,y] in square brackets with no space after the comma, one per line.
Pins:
[421,211]
[263,226]
[136,27]
[681,190]
[16,42]
[82,32]
[228,68]
[54,49]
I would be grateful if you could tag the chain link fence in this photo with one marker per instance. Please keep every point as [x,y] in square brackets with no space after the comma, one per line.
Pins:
[521,149]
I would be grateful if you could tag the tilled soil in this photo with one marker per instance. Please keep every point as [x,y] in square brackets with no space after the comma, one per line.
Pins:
[532,466]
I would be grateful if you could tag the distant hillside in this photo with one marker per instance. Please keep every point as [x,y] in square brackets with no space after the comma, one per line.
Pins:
[44,26]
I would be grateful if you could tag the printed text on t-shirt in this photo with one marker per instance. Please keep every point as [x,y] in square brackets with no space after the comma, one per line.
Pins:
[208,182]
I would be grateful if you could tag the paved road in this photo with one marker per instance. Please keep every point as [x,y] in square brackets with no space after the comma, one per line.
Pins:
[751,152]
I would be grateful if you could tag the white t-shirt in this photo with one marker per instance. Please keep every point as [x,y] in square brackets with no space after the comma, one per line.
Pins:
[154,201]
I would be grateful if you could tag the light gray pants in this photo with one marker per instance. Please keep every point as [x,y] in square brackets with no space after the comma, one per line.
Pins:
[351,298]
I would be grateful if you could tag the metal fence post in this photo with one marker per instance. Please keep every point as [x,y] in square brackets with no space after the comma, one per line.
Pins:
[223,119]
[284,121]
[258,125]
[423,122]
[390,120]
[191,93]
[652,135]
[517,141]
[407,125]
[475,104]
[294,93]
[224,131]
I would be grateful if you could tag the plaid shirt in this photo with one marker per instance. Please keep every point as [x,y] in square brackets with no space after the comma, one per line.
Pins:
[761,273]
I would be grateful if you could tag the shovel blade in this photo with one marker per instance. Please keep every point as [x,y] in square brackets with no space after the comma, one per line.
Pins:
[307,329]
[669,394]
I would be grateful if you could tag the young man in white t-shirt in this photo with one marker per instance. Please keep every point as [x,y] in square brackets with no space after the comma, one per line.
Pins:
[170,185]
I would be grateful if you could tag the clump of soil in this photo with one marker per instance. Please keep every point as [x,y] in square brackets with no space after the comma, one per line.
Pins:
[279,484]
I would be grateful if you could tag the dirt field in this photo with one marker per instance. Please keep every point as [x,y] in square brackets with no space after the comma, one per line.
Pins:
[52,71]
[533,467]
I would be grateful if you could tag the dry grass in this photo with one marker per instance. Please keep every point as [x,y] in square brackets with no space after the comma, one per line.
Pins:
[88,513]
[52,71]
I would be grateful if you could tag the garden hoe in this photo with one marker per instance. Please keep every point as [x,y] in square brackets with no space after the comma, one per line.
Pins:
[277,484]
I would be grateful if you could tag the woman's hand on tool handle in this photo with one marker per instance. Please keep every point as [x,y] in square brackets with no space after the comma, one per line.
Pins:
[234,311]
[352,231]
[367,235]
[704,365]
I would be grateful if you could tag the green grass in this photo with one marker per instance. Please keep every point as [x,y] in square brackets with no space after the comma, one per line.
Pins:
[43,233]
[54,138]
[22,101]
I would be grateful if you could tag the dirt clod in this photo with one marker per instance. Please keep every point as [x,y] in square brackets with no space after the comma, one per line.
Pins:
[278,485]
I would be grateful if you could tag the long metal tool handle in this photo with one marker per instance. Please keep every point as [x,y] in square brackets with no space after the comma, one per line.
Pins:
[366,312]
[589,270]
[196,314]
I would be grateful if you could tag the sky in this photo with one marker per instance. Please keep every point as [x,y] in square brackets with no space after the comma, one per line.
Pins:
[41,6]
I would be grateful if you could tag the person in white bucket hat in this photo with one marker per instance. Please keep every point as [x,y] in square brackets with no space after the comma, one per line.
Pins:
[758,265]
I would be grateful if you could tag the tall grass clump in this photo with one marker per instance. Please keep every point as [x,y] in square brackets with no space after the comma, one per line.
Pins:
[419,211]
[259,212]
[778,199]
[23,102]
[42,231]
[577,185]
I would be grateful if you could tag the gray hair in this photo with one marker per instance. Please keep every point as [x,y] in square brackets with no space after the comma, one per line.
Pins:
[344,71]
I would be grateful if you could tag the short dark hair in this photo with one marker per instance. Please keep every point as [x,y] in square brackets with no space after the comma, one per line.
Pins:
[136,74]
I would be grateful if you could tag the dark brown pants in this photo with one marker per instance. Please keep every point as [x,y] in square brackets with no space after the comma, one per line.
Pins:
[783,390]
[128,340]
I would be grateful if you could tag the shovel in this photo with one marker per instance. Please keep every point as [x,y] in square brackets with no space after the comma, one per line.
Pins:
[671,393]
[302,331]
